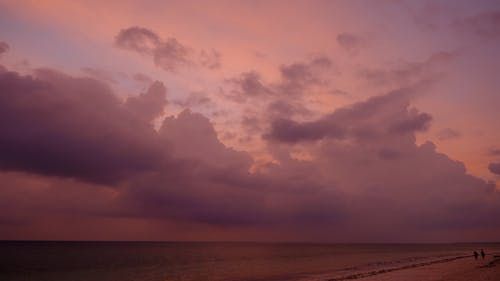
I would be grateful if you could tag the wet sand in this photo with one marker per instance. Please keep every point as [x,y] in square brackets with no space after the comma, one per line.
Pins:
[466,269]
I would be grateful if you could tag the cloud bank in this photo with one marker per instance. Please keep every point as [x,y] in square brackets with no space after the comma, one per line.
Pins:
[69,147]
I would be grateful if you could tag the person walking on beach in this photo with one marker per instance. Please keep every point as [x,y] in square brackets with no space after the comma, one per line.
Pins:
[482,254]
[475,255]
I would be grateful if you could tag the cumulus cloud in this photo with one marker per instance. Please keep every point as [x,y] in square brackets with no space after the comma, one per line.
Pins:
[288,97]
[375,168]
[71,138]
[169,53]
[149,104]
[414,123]
[193,136]
[376,117]
[59,125]
[285,98]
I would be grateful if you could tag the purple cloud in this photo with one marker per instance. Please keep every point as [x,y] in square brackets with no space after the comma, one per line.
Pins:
[494,168]
[55,124]
[374,118]
[103,159]
[169,53]
[297,77]
[150,104]
[249,84]
[138,39]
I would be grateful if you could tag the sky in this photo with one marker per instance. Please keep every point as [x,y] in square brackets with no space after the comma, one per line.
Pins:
[310,121]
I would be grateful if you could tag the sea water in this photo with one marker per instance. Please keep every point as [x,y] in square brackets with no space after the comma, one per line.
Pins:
[188,261]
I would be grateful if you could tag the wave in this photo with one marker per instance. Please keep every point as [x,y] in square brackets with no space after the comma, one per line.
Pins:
[354,276]
[371,269]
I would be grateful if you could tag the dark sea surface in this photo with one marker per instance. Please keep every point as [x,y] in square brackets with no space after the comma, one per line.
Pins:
[141,261]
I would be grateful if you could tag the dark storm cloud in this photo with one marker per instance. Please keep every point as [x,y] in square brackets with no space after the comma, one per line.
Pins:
[169,53]
[210,184]
[357,121]
[54,124]
[494,168]
[110,163]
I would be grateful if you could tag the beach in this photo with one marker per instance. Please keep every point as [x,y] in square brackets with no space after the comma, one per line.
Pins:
[466,269]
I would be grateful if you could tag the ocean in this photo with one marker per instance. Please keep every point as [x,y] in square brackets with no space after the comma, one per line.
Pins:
[189,261]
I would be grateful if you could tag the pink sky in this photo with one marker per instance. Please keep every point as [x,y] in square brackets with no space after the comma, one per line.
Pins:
[250,120]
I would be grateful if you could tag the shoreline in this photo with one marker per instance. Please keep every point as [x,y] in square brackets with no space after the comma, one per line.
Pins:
[453,269]
[388,270]
[457,268]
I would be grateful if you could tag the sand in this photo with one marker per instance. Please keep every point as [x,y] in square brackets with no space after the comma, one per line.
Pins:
[466,269]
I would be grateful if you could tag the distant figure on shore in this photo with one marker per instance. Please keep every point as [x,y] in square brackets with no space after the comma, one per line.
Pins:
[475,255]
[482,254]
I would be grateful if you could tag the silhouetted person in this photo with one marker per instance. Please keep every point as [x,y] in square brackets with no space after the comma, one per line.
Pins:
[475,255]
[482,254]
